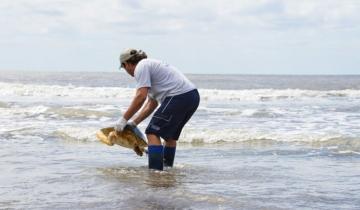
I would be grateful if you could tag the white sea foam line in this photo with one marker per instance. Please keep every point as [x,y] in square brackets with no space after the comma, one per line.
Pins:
[206,135]
[349,152]
[189,135]
[33,111]
[271,94]
[77,133]
[202,134]
[219,110]
[18,112]
[16,89]
[248,112]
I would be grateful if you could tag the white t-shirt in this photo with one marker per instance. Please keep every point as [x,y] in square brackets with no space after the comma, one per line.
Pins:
[163,79]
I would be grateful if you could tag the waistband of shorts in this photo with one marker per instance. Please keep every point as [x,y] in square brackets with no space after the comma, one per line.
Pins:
[182,94]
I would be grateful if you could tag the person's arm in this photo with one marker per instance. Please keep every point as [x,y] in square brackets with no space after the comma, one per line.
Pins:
[136,104]
[149,107]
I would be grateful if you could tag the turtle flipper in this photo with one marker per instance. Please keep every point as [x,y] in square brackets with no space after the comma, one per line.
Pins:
[138,151]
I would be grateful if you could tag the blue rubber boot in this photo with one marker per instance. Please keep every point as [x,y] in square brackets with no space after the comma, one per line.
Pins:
[169,156]
[156,156]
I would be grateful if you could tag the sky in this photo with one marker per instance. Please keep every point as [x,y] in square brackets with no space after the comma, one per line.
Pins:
[200,37]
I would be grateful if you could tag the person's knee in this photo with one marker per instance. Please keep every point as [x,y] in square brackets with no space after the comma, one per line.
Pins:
[170,143]
[153,139]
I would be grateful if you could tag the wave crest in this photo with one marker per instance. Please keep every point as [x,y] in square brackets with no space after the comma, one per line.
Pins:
[15,89]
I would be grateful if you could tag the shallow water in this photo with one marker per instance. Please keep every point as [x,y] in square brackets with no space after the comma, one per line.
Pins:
[279,146]
[55,174]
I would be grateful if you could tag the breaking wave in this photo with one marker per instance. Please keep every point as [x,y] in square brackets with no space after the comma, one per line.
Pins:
[53,91]
[338,143]
[46,112]
[62,107]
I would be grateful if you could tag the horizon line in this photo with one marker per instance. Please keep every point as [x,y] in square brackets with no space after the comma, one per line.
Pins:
[186,73]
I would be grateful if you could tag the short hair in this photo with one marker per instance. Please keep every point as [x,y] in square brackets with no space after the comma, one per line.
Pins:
[137,57]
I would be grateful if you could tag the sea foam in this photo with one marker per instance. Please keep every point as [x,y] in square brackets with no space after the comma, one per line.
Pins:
[55,91]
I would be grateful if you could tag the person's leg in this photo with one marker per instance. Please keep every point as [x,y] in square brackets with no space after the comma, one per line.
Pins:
[156,152]
[153,139]
[186,113]
[170,143]
[167,123]
[169,152]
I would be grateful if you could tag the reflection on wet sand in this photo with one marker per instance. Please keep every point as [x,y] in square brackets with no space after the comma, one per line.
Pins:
[167,189]
[143,176]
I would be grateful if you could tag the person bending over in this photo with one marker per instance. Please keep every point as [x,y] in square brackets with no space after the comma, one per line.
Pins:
[158,83]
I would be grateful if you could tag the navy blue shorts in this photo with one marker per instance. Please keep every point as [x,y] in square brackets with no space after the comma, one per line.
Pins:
[170,118]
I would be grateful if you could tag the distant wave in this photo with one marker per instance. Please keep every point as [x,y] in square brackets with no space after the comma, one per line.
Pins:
[55,91]
[28,90]
[274,94]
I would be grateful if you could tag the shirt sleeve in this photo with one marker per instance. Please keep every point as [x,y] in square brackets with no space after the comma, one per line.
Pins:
[142,75]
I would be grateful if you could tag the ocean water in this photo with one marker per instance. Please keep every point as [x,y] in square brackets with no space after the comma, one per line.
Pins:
[256,142]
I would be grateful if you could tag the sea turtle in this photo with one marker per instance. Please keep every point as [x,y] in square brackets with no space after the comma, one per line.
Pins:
[131,137]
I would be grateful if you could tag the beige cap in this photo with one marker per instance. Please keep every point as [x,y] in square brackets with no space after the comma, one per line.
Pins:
[127,54]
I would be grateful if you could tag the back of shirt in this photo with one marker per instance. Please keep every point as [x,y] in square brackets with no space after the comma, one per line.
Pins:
[163,79]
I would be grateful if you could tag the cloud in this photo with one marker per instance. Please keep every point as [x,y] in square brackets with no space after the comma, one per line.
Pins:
[251,29]
[156,16]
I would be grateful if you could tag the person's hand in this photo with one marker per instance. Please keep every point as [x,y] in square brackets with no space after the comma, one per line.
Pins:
[120,124]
